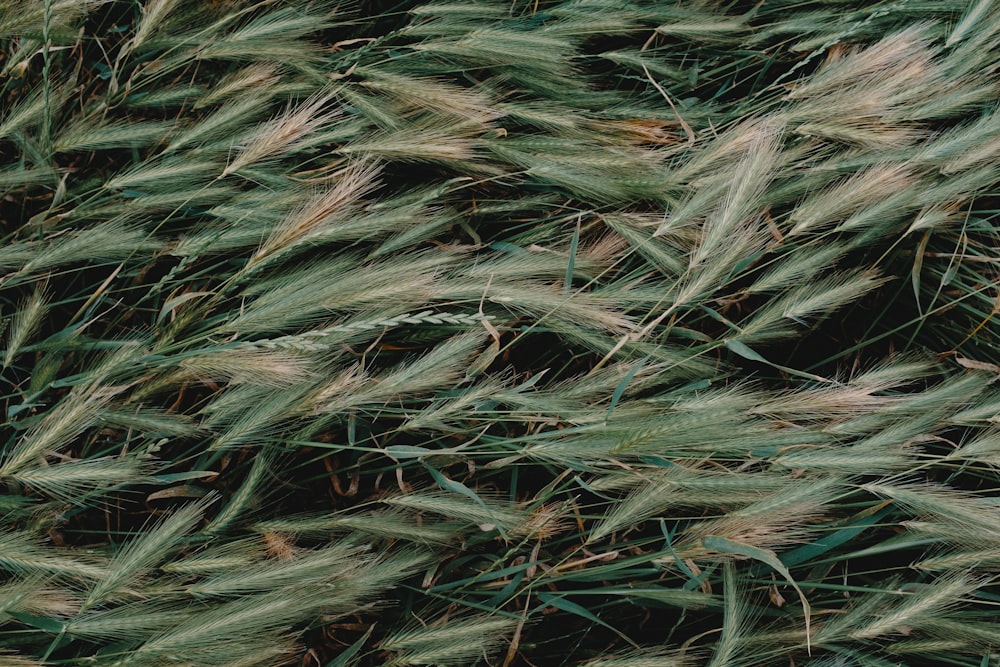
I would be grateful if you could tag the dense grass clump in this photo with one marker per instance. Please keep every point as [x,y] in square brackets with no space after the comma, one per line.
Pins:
[596,333]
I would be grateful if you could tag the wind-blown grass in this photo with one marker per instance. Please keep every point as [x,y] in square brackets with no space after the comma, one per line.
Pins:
[574,332]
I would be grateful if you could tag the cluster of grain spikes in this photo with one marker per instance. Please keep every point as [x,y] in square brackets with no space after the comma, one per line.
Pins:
[573,332]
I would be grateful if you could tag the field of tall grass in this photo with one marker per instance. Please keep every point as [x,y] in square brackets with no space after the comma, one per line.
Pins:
[540,333]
